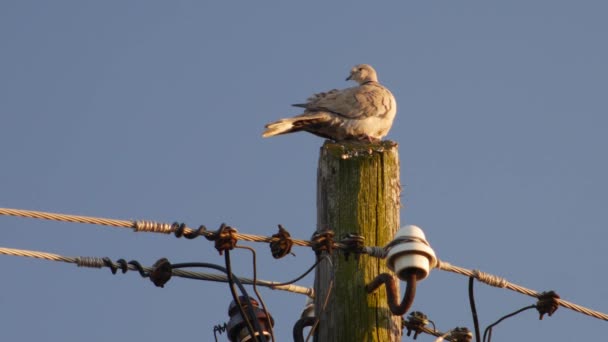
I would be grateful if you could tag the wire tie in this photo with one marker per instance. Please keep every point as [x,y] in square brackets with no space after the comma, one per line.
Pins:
[92,262]
[547,303]
[353,243]
[375,251]
[404,239]
[416,320]
[461,334]
[161,272]
[138,267]
[323,242]
[224,238]
[153,227]
[108,263]
[281,243]
[123,265]
[490,279]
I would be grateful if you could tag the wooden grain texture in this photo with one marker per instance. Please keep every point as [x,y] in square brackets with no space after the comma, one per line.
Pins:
[358,191]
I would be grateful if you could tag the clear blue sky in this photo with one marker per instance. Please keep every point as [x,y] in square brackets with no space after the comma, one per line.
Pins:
[154,110]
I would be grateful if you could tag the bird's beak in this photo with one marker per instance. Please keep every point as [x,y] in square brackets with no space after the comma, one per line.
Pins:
[350,77]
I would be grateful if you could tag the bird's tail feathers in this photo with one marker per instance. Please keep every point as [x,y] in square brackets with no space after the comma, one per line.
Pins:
[282,126]
[295,124]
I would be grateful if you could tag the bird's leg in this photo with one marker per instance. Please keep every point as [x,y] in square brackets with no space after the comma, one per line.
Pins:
[367,138]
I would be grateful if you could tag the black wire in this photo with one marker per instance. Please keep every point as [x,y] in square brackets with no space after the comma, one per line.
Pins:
[303,275]
[488,330]
[298,328]
[474,309]
[234,279]
[326,301]
[231,278]
[220,328]
[255,289]
[318,319]
[434,327]
[242,288]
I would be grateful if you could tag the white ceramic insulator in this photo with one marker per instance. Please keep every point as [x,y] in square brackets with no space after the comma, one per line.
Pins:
[411,255]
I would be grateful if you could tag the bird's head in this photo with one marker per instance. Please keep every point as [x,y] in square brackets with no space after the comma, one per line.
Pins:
[363,73]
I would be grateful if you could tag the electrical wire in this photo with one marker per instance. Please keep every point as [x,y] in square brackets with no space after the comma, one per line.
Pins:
[257,293]
[442,337]
[138,226]
[327,295]
[305,273]
[220,328]
[488,330]
[97,262]
[473,308]
[325,302]
[164,228]
[237,301]
[298,328]
[500,282]
[234,279]
[429,331]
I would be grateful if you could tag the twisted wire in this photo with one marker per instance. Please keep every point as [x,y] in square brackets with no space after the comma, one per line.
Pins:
[65,218]
[96,262]
[138,226]
[500,282]
[164,228]
[444,336]
[421,327]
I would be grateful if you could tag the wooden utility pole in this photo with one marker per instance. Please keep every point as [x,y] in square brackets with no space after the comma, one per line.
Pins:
[358,191]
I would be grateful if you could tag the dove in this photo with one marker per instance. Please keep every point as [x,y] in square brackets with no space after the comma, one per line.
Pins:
[364,112]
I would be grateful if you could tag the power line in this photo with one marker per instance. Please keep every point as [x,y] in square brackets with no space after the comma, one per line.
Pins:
[488,332]
[96,262]
[257,293]
[348,244]
[500,282]
[66,218]
[326,243]
[138,226]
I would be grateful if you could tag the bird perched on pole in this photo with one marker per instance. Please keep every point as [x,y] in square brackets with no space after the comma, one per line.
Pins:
[364,112]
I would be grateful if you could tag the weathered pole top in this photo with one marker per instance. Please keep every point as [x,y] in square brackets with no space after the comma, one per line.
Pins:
[351,149]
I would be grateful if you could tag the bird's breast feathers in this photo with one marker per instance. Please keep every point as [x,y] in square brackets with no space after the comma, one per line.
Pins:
[367,100]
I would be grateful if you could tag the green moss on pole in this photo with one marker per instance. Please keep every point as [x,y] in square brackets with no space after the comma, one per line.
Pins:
[358,191]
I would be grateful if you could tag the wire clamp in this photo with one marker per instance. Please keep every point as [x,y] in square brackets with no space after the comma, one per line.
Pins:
[353,243]
[224,238]
[161,272]
[416,320]
[281,243]
[547,303]
[461,334]
[323,241]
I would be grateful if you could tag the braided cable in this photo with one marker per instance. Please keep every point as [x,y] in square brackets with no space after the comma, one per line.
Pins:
[500,282]
[96,262]
[138,226]
[164,228]
[66,218]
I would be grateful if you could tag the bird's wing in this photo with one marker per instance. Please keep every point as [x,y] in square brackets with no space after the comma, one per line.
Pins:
[356,102]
